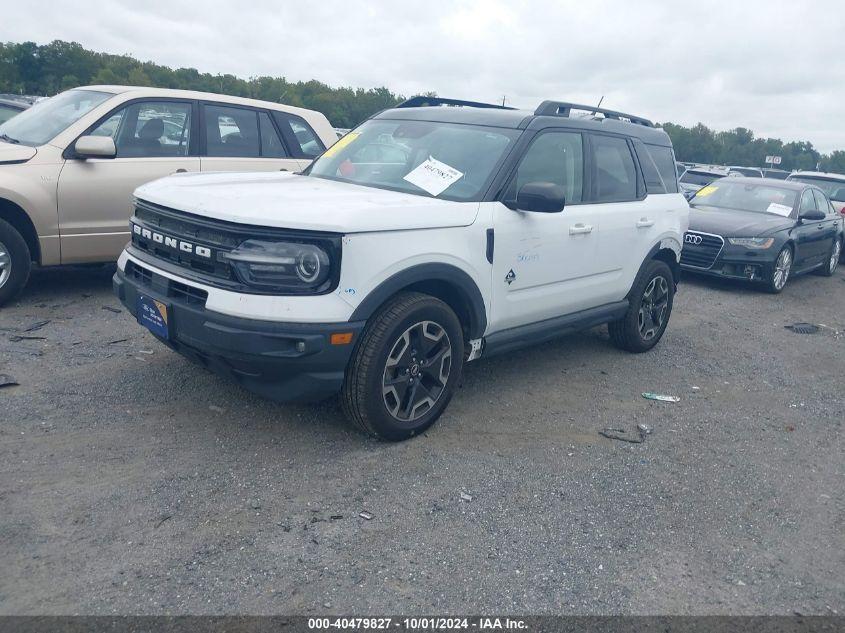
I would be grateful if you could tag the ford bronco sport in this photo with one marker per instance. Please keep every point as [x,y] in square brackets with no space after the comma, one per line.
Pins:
[427,237]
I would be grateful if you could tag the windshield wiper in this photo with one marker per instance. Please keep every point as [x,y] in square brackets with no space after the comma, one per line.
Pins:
[9,139]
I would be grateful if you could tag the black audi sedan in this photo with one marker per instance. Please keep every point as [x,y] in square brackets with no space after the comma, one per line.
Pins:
[761,230]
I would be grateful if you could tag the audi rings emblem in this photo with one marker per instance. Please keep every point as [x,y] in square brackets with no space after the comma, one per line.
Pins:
[692,239]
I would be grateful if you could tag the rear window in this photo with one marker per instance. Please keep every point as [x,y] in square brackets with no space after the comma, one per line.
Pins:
[702,178]
[664,159]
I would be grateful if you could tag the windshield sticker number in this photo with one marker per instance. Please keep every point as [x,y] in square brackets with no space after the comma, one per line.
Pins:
[705,191]
[780,209]
[432,176]
[341,143]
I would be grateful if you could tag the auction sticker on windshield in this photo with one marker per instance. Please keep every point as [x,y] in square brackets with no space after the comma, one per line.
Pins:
[705,191]
[340,144]
[432,176]
[780,209]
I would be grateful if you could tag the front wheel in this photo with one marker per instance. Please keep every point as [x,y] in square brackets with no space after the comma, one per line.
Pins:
[650,305]
[405,367]
[780,273]
[15,262]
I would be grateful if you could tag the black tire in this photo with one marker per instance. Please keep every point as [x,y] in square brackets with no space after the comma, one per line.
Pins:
[15,262]
[374,377]
[833,258]
[633,333]
[774,284]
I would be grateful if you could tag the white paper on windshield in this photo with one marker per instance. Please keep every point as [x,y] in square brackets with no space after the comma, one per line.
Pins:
[432,176]
[780,209]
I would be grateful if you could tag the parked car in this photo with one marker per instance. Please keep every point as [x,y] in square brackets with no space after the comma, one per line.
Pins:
[832,184]
[341,131]
[695,178]
[10,108]
[762,231]
[378,272]
[69,164]
[751,172]
[779,174]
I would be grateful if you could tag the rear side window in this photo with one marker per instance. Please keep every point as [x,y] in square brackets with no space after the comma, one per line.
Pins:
[555,157]
[664,159]
[271,144]
[653,180]
[302,140]
[231,132]
[614,173]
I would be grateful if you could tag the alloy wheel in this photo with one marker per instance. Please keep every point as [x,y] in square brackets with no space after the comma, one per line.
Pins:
[653,305]
[416,371]
[782,268]
[5,264]
[834,257]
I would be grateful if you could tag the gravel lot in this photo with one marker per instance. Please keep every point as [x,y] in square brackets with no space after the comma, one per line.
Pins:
[134,482]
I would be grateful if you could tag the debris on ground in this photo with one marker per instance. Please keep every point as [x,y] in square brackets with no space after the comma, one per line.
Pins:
[111,309]
[645,429]
[624,436]
[215,408]
[660,397]
[7,381]
[36,326]
[789,428]
[694,388]
[335,517]
[366,515]
[803,328]
[162,519]
[23,337]
[115,341]
[148,352]
[255,504]
[465,497]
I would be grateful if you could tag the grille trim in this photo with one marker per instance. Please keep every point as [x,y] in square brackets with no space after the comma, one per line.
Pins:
[158,283]
[702,256]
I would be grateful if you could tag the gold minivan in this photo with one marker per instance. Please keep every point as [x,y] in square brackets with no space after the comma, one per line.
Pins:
[69,164]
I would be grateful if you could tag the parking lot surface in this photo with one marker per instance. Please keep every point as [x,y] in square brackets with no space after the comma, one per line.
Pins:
[132,481]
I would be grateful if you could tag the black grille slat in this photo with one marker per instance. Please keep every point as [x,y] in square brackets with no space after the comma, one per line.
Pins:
[701,255]
[173,289]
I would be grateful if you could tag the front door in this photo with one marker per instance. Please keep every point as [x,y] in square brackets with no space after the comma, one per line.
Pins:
[813,243]
[153,140]
[243,139]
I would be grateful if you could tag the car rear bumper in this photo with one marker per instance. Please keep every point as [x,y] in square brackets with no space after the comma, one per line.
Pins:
[278,360]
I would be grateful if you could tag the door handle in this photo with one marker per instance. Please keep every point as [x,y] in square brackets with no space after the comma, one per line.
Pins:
[284,169]
[180,171]
[578,229]
[644,223]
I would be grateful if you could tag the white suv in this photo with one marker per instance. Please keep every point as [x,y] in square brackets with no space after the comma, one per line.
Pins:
[69,164]
[426,237]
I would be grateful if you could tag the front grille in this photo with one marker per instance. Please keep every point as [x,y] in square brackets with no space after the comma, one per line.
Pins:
[160,284]
[704,254]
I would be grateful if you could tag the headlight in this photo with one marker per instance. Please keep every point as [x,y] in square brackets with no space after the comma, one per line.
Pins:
[282,266]
[752,242]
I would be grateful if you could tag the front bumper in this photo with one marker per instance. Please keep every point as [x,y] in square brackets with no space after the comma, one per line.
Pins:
[278,360]
[735,262]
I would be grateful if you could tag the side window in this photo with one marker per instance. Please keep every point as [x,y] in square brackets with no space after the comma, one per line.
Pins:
[808,202]
[653,179]
[821,202]
[614,173]
[556,157]
[664,159]
[231,132]
[149,129]
[271,144]
[302,140]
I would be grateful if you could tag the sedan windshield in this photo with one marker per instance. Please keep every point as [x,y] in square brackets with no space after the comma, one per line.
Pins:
[692,177]
[444,160]
[727,193]
[835,189]
[43,121]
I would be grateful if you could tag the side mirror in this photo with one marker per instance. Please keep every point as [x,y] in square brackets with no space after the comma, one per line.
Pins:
[95,147]
[812,215]
[541,197]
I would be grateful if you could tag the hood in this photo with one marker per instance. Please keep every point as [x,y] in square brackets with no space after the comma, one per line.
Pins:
[12,153]
[734,223]
[285,200]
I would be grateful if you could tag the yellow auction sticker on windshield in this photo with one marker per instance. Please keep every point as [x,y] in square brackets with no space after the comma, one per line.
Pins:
[341,143]
[705,191]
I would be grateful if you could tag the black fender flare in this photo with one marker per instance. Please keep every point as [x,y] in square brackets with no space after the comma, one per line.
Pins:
[447,273]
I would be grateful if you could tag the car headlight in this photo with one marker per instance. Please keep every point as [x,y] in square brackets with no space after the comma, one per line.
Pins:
[281,266]
[752,242]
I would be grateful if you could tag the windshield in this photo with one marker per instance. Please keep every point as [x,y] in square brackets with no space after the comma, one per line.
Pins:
[443,160]
[835,189]
[50,117]
[697,177]
[726,193]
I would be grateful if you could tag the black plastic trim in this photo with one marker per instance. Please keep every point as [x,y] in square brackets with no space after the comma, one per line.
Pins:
[491,244]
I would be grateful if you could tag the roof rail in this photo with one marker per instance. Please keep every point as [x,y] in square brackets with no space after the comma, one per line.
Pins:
[561,108]
[422,101]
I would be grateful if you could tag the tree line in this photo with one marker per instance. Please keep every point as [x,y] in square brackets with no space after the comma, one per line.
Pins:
[29,68]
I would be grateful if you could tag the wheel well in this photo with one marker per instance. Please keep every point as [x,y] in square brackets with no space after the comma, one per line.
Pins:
[18,218]
[668,256]
[451,296]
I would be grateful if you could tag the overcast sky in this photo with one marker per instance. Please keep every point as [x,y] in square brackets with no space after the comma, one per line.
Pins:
[774,66]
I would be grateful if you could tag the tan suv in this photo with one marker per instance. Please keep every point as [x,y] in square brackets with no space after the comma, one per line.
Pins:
[69,164]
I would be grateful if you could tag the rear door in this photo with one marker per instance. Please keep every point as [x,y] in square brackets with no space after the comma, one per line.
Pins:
[154,138]
[236,138]
[830,226]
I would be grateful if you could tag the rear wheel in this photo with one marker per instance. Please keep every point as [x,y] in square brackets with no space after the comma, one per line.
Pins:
[780,274]
[833,259]
[405,368]
[15,262]
[649,309]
